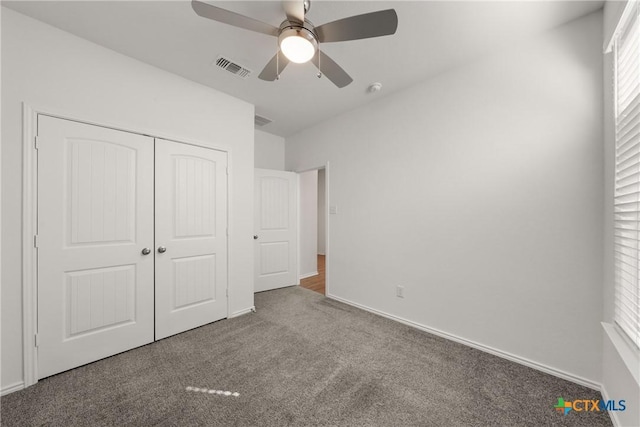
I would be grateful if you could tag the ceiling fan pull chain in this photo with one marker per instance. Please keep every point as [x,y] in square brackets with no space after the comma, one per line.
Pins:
[319,63]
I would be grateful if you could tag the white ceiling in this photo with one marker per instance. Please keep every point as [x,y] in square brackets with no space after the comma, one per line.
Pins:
[432,36]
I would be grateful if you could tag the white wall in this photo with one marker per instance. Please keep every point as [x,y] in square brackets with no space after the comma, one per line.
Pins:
[480,191]
[1,9]
[308,185]
[618,381]
[269,151]
[322,212]
[45,67]
[620,377]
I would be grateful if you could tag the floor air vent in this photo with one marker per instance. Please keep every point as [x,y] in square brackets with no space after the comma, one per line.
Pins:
[261,121]
[232,67]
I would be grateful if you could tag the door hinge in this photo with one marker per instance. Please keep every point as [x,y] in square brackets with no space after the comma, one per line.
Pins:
[227,170]
[227,232]
[227,292]
[36,341]
[37,142]
[35,241]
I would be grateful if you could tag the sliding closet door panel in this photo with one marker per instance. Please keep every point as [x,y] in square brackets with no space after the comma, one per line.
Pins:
[95,216]
[191,237]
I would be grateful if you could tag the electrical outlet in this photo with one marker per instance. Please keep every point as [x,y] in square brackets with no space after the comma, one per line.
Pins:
[400,291]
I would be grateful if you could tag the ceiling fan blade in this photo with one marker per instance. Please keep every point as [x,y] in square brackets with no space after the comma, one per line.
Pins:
[277,63]
[331,70]
[231,18]
[294,10]
[374,24]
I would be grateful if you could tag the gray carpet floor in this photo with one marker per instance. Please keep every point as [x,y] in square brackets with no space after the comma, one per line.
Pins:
[301,360]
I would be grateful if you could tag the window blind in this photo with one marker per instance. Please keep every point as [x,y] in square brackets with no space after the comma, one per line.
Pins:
[627,174]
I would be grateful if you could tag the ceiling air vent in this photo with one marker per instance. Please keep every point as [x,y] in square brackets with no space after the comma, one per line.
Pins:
[232,67]
[261,121]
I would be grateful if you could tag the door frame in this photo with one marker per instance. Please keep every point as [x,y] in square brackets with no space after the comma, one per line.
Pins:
[327,250]
[30,114]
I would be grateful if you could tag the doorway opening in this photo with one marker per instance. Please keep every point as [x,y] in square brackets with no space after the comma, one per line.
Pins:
[317,283]
[313,229]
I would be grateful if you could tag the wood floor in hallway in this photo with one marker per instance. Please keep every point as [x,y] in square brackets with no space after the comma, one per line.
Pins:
[316,283]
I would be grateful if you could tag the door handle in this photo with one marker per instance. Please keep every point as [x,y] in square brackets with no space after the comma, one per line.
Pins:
[255,237]
[162,249]
[146,251]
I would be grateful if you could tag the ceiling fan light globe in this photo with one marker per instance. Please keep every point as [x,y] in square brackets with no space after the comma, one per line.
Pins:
[297,42]
[297,49]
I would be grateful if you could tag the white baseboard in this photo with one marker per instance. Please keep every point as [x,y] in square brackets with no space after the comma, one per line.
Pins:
[238,313]
[487,349]
[304,276]
[11,388]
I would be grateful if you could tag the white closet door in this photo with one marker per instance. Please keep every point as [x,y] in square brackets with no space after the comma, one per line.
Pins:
[276,228]
[95,204]
[191,237]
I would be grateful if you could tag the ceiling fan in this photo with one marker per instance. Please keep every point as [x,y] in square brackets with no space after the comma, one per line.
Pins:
[299,40]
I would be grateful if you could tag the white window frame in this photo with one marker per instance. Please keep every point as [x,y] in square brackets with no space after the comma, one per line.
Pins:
[626,48]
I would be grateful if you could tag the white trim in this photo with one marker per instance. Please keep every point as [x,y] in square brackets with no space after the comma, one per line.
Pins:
[130,128]
[228,231]
[613,415]
[298,231]
[625,349]
[307,275]
[327,262]
[625,286]
[12,388]
[621,23]
[238,313]
[327,227]
[30,216]
[487,349]
[29,253]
